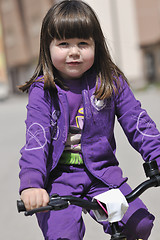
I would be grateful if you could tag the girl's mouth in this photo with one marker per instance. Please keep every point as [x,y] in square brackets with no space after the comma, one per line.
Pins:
[73,63]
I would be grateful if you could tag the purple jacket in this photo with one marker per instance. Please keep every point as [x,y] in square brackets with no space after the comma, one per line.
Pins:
[47,126]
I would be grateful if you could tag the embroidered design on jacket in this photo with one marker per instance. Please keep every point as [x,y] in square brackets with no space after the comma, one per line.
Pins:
[100,104]
[36,137]
[56,130]
[146,127]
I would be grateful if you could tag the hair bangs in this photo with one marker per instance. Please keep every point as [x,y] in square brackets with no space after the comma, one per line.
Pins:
[74,29]
[72,21]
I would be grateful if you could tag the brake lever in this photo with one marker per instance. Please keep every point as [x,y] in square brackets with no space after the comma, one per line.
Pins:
[36,210]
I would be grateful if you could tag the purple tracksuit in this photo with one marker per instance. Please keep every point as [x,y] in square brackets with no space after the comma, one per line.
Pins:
[47,128]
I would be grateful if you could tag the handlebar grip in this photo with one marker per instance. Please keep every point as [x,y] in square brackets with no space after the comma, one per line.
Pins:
[20,206]
[151,168]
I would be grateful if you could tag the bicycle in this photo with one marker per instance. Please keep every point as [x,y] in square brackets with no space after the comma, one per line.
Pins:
[61,202]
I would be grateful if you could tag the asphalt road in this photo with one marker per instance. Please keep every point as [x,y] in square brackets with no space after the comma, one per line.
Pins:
[12,137]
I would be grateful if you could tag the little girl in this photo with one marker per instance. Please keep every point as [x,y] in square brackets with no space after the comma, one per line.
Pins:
[74,96]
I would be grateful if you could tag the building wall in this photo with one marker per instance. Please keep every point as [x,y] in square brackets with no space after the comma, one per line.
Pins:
[32,17]
[148,18]
[21,23]
[16,51]
[3,68]
[119,23]
[21,26]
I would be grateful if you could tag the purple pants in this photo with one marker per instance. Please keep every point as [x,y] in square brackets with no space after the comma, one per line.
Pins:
[68,224]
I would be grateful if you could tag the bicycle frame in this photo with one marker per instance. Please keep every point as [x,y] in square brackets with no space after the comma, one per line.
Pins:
[60,202]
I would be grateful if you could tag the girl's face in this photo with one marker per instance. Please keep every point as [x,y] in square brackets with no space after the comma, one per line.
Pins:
[72,57]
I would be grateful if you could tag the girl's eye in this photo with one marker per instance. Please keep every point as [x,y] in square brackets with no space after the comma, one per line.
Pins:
[83,43]
[63,44]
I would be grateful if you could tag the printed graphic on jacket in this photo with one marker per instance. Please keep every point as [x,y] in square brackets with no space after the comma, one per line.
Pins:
[36,137]
[72,151]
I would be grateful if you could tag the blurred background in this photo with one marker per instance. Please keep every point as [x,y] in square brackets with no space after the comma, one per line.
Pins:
[132,31]
[131,27]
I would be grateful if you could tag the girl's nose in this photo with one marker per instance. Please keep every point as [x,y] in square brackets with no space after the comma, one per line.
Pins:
[74,51]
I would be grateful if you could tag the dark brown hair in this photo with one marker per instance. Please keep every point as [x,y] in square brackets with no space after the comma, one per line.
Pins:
[75,19]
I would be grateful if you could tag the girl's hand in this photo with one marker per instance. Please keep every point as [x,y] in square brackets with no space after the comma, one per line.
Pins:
[34,198]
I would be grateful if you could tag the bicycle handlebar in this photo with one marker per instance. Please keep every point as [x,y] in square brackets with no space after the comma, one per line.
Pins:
[153,182]
[60,202]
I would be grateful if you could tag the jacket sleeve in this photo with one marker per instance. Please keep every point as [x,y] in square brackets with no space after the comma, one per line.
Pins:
[139,128]
[34,154]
